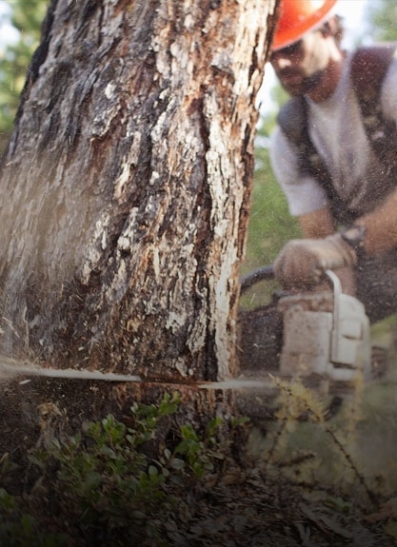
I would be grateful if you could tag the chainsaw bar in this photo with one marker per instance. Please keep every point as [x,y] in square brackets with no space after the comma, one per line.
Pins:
[10,369]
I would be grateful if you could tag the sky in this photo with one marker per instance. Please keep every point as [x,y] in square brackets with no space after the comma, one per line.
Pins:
[353,13]
[7,33]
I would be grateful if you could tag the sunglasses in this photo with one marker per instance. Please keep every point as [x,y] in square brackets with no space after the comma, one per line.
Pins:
[287,51]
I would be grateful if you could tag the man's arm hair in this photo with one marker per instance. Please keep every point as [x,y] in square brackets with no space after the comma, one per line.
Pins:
[318,224]
[380,226]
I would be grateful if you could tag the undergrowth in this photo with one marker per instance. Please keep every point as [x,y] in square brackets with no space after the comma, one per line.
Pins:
[317,447]
[153,479]
[298,405]
[114,481]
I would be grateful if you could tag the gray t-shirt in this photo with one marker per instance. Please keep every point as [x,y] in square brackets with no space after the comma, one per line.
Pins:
[337,131]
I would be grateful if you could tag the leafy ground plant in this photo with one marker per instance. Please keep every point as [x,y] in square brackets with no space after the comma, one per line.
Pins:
[153,479]
[113,481]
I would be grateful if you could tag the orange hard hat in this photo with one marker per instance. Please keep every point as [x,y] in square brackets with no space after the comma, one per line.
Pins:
[298,17]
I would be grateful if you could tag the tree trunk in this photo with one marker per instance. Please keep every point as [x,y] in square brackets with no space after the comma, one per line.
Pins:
[125,188]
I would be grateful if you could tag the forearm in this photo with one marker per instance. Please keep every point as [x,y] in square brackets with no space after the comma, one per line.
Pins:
[318,224]
[300,263]
[380,226]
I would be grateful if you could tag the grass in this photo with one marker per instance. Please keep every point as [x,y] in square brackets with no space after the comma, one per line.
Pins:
[270,227]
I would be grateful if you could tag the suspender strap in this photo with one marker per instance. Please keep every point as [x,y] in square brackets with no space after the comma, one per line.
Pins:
[292,119]
[368,70]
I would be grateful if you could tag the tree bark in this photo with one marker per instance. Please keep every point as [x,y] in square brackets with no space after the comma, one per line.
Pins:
[125,188]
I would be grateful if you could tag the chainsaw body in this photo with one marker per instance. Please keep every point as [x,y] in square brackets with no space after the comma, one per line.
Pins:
[313,335]
[326,334]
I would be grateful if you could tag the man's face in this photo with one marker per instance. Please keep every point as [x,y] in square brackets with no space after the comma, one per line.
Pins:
[301,66]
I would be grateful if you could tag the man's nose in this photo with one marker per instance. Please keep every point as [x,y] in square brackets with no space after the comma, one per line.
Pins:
[279,61]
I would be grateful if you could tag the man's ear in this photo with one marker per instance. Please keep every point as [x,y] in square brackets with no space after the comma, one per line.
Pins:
[331,27]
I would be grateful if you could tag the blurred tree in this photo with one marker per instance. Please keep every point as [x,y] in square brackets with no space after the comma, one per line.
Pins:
[26,16]
[382,16]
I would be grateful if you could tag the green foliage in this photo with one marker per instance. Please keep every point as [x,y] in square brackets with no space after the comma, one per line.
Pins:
[270,227]
[270,223]
[26,17]
[311,448]
[111,481]
[382,16]
[200,454]
[18,529]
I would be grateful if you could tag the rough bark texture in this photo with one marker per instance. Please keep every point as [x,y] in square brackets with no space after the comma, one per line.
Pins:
[125,187]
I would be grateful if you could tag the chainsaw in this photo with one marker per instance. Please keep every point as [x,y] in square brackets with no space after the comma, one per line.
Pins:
[321,337]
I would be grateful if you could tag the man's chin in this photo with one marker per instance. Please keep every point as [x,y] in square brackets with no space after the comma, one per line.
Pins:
[294,89]
[302,86]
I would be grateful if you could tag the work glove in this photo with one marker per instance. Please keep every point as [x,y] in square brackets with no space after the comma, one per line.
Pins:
[302,262]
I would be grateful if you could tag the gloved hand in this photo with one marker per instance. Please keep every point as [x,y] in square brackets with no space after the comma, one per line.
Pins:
[301,262]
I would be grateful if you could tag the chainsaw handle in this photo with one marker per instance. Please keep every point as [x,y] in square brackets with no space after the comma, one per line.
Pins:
[267,273]
[260,274]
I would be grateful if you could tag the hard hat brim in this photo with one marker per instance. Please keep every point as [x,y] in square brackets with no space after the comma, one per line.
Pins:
[314,20]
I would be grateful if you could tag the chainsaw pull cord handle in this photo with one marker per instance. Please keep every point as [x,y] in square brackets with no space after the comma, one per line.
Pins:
[260,274]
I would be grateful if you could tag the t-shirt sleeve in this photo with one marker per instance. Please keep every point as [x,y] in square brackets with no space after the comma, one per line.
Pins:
[304,194]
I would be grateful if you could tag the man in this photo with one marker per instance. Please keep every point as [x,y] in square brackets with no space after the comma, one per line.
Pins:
[361,245]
